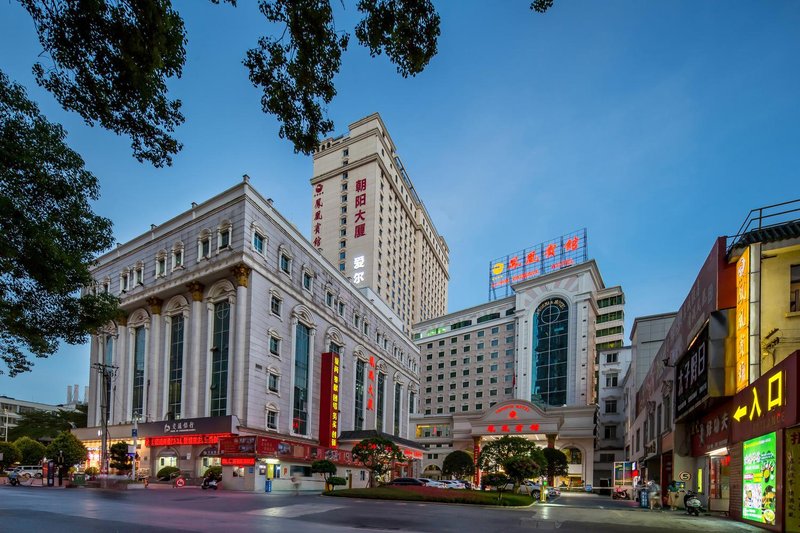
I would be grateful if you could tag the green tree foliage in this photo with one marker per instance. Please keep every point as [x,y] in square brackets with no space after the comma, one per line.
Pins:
[46,425]
[119,457]
[48,236]
[520,468]
[32,451]
[112,62]
[335,481]
[556,464]
[495,453]
[377,454]
[458,464]
[66,443]
[11,455]
[324,467]
[212,471]
[498,480]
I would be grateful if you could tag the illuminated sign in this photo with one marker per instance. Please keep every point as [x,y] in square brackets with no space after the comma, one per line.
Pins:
[543,258]
[759,480]
[316,223]
[361,201]
[769,403]
[743,320]
[329,400]
[238,461]
[692,376]
[509,428]
[791,482]
[358,269]
[185,440]
[371,384]
[712,431]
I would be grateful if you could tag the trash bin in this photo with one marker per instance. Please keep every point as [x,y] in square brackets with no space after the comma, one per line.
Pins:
[268,485]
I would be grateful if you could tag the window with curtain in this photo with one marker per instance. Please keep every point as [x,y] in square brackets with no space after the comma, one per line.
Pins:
[219,359]
[301,373]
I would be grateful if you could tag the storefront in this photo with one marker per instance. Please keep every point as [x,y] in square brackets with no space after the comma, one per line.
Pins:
[711,436]
[250,461]
[766,436]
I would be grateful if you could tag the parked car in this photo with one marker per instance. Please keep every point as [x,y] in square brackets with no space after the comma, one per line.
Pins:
[407,481]
[28,471]
[467,484]
[526,487]
[453,484]
[432,483]
[552,492]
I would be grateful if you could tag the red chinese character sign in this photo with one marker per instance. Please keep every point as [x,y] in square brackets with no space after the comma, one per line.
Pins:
[371,384]
[543,258]
[329,400]
[316,223]
[360,229]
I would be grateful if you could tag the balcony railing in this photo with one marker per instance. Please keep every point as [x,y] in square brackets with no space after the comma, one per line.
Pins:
[766,217]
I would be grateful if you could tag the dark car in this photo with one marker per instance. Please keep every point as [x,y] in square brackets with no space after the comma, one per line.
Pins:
[407,481]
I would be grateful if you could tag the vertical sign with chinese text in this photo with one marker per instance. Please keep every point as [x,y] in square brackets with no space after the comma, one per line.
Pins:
[743,320]
[316,223]
[361,202]
[791,454]
[329,400]
[371,384]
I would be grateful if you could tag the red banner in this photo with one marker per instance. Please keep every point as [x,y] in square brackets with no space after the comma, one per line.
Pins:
[238,461]
[256,446]
[329,401]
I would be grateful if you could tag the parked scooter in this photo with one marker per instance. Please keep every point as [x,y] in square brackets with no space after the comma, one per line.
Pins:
[211,482]
[692,503]
[620,494]
[13,479]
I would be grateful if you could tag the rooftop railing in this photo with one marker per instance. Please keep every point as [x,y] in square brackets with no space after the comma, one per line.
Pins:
[766,217]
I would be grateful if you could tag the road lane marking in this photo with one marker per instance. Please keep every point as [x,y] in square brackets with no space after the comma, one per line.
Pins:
[293,511]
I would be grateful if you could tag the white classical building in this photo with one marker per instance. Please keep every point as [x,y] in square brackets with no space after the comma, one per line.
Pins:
[521,365]
[228,311]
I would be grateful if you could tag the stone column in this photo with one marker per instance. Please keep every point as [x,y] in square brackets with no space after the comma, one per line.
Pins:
[163,365]
[95,380]
[476,453]
[311,395]
[551,440]
[118,391]
[153,383]
[238,354]
[194,358]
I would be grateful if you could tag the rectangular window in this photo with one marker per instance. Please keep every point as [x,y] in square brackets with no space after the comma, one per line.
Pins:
[274,346]
[610,432]
[224,238]
[612,358]
[307,281]
[205,248]
[611,406]
[272,382]
[272,419]
[397,399]
[138,373]
[139,276]
[794,289]
[275,305]
[286,263]
[380,400]
[177,259]
[611,380]
[161,266]
[329,299]
[175,366]
[359,399]
[341,308]
[301,375]
[219,359]
[258,242]
[412,403]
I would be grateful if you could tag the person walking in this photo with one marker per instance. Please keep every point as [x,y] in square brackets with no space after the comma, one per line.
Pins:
[296,484]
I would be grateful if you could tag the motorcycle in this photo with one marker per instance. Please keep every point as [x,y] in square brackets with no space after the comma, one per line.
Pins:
[13,479]
[620,494]
[211,483]
[692,503]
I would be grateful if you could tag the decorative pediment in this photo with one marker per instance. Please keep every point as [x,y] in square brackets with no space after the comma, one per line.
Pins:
[510,411]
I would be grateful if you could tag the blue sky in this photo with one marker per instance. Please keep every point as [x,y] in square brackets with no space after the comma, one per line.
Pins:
[655,125]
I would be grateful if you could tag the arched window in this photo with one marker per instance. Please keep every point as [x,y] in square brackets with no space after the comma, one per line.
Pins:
[574,456]
[549,357]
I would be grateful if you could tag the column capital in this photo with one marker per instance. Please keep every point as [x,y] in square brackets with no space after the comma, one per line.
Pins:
[241,272]
[155,305]
[196,288]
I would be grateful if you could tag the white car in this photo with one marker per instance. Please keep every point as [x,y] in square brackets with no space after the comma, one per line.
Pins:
[432,483]
[453,484]
[526,487]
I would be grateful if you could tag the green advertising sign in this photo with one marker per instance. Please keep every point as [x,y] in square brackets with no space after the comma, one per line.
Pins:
[758,479]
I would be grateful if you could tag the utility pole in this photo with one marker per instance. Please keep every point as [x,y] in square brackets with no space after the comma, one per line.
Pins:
[108,372]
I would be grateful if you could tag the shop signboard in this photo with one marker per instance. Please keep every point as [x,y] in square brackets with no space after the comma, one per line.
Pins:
[190,426]
[538,260]
[264,447]
[759,479]
[743,320]
[691,375]
[769,403]
[791,483]
[712,431]
[329,400]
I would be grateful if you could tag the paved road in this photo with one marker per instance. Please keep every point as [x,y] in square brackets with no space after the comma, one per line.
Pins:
[191,509]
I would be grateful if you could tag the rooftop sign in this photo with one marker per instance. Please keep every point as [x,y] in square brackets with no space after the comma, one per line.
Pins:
[540,259]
